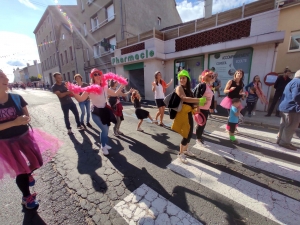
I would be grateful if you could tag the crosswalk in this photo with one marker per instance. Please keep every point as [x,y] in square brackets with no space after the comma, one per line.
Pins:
[263,155]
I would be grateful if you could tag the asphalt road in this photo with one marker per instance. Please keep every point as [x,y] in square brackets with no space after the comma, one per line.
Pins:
[142,182]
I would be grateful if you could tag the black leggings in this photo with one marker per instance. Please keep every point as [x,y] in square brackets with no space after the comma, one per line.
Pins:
[185,141]
[200,129]
[22,181]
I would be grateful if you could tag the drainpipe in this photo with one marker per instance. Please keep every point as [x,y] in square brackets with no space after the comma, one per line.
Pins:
[74,52]
[122,25]
[56,48]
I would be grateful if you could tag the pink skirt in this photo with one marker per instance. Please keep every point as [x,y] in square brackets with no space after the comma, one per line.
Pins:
[26,153]
[227,103]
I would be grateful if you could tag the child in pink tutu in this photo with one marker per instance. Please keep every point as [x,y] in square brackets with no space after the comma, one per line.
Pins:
[21,148]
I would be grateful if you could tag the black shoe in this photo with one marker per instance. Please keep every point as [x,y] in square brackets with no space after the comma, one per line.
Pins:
[89,125]
[267,115]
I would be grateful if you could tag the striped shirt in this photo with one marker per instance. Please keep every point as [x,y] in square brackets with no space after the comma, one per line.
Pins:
[252,98]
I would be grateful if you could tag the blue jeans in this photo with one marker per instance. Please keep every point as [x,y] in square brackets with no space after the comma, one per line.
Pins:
[104,129]
[85,105]
[65,108]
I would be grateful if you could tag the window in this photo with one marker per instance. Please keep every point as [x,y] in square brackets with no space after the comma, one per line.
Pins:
[44,45]
[158,21]
[71,53]
[82,4]
[62,59]
[65,77]
[69,78]
[112,42]
[50,36]
[48,64]
[50,61]
[94,22]
[66,56]
[73,73]
[45,63]
[110,10]
[96,51]
[47,41]
[89,1]
[63,36]
[54,60]
[84,29]
[41,46]
[294,42]
[42,66]
[87,55]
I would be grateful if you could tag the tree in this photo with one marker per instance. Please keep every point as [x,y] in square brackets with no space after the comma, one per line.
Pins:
[32,79]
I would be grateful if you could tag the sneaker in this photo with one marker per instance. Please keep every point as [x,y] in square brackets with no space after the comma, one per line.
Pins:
[108,147]
[89,125]
[288,146]
[216,111]
[182,158]
[120,133]
[199,142]
[235,142]
[31,180]
[189,153]
[155,121]
[30,201]
[253,113]
[139,129]
[70,132]
[104,151]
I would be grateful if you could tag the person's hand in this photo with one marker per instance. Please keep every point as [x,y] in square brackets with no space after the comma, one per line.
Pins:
[22,120]
[251,92]
[232,88]
[171,80]
[153,84]
[211,110]
[131,90]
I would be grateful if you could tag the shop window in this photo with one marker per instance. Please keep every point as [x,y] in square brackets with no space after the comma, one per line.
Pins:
[110,10]
[193,65]
[294,42]
[94,22]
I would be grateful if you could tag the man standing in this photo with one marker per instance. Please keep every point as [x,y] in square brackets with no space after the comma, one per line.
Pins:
[290,113]
[66,102]
[279,85]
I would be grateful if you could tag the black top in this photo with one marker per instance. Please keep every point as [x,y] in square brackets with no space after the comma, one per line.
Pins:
[62,88]
[280,83]
[236,92]
[9,112]
[188,94]
[137,103]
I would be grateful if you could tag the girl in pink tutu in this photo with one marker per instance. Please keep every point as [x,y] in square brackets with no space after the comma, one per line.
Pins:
[233,89]
[21,147]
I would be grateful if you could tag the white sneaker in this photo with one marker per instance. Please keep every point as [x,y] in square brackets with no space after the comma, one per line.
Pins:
[104,151]
[139,129]
[253,113]
[189,153]
[154,121]
[216,111]
[108,147]
[182,158]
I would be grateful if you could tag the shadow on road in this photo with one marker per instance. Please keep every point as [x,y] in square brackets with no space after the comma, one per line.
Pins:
[31,217]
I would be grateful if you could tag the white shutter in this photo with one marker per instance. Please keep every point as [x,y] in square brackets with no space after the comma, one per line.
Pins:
[110,12]
[113,41]
[84,28]
[95,50]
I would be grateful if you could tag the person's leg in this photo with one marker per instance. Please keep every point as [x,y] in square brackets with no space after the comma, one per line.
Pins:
[274,102]
[22,182]
[82,108]
[117,125]
[162,113]
[88,111]
[282,124]
[65,108]
[74,110]
[200,129]
[139,124]
[157,114]
[290,126]
[103,128]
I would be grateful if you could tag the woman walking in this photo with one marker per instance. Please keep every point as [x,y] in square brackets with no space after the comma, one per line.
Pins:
[98,92]
[85,105]
[256,83]
[21,148]
[203,90]
[183,122]
[159,87]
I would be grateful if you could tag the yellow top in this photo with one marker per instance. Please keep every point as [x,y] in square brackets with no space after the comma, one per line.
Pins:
[181,122]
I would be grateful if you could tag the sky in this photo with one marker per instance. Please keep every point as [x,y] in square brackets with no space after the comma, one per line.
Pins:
[20,17]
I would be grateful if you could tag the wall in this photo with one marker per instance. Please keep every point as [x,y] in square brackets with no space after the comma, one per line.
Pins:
[289,21]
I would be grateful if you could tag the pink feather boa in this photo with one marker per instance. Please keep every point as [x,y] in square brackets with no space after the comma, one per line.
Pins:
[94,88]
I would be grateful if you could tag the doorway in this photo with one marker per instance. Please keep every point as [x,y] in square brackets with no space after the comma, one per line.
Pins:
[136,80]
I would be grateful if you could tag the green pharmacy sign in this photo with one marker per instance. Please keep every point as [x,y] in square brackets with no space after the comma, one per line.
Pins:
[146,54]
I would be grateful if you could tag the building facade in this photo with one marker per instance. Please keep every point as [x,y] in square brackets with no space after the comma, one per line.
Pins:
[106,22]
[56,41]
[242,38]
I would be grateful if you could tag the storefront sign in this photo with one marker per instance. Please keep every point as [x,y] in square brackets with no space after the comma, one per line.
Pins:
[145,54]
[226,63]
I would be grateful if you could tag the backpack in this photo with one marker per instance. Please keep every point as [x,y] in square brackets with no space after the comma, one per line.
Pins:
[17,100]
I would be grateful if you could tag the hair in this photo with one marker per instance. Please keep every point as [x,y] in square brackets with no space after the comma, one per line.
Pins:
[155,77]
[134,96]
[112,83]
[203,75]
[77,75]
[56,73]
[242,72]
[179,68]
[254,79]
[235,100]
[297,74]
[253,89]
[93,80]
[287,70]
[188,87]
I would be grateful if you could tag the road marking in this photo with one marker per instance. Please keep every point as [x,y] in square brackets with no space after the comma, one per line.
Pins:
[244,130]
[256,143]
[264,163]
[274,206]
[145,206]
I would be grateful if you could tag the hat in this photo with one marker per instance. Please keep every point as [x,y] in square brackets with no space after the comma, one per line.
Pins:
[200,118]
[95,71]
[183,73]
[297,74]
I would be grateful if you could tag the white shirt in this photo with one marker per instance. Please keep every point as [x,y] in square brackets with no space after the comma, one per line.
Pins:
[159,93]
[99,100]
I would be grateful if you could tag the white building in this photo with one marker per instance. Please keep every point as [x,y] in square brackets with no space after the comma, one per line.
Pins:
[17,75]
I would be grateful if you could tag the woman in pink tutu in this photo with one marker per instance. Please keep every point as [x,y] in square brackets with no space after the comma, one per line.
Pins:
[21,148]
[233,89]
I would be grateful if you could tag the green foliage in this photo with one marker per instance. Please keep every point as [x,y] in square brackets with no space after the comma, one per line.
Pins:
[32,79]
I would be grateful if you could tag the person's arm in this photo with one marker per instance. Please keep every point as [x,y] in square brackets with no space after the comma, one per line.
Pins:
[126,93]
[61,95]
[248,86]
[227,88]
[219,84]
[20,120]
[236,112]
[180,92]
[115,93]
[276,82]
[81,98]
[168,85]
[153,86]
[296,94]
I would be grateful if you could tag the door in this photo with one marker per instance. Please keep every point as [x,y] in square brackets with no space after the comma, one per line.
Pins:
[136,81]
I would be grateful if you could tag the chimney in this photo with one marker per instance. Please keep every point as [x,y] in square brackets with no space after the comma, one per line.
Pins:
[35,62]
[208,8]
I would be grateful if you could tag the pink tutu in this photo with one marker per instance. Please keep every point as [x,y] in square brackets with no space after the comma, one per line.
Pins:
[227,102]
[26,153]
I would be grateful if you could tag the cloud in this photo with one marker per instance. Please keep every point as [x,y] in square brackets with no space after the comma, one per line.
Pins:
[191,10]
[28,4]
[16,50]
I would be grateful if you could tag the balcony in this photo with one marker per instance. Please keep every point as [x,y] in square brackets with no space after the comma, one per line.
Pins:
[106,21]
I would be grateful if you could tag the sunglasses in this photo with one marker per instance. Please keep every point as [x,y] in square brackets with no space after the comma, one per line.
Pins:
[97,74]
